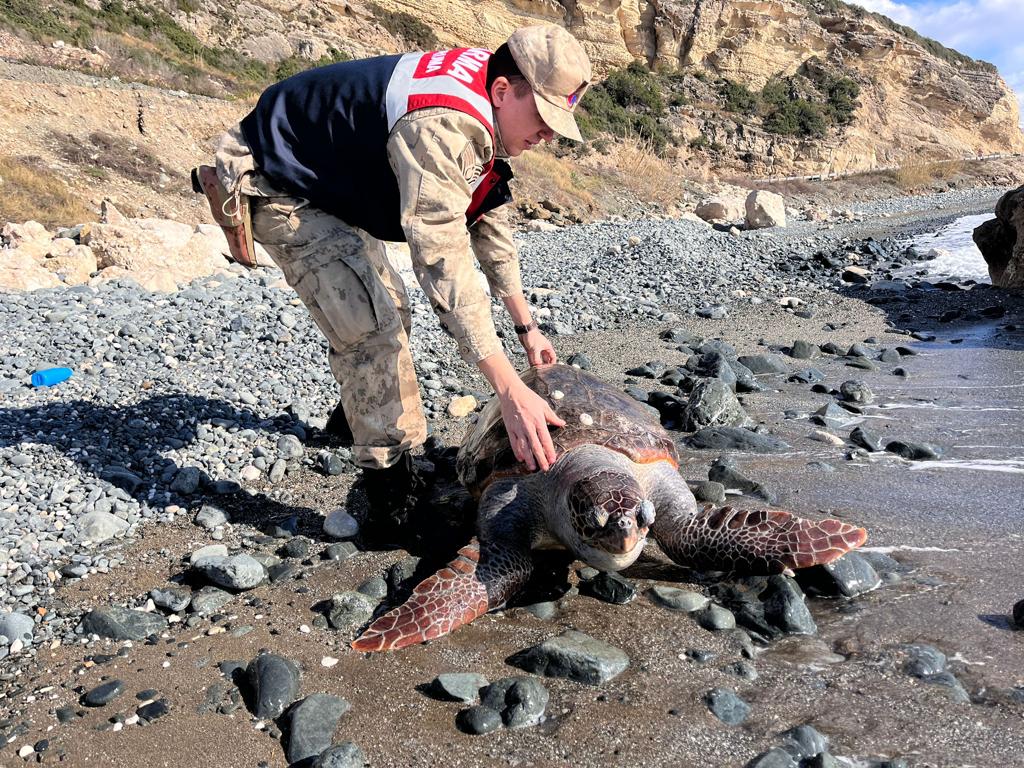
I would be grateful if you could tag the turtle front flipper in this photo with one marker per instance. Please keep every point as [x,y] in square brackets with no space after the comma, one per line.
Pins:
[745,541]
[481,577]
[755,541]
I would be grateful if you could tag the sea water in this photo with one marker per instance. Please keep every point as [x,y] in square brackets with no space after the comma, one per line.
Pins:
[957,257]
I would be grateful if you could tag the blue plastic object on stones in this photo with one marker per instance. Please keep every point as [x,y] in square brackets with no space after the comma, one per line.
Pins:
[50,376]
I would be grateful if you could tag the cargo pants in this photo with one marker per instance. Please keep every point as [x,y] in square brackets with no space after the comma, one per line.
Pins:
[356,298]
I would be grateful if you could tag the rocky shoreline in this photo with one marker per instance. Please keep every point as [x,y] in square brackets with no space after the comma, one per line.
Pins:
[193,421]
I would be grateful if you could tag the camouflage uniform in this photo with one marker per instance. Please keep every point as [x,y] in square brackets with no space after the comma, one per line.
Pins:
[354,294]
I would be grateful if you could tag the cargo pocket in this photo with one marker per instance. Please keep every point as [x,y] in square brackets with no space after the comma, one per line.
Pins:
[275,220]
[347,299]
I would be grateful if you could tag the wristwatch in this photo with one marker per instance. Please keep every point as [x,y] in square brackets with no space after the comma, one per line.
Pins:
[521,329]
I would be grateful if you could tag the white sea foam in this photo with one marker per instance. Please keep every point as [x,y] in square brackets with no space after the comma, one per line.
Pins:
[957,255]
[1009,466]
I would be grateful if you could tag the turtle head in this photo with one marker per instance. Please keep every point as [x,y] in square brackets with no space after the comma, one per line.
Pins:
[610,518]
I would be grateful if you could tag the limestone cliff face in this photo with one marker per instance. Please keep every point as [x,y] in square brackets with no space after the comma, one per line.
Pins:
[913,104]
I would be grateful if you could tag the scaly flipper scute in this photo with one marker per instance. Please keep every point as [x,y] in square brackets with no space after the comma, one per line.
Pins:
[450,598]
[754,541]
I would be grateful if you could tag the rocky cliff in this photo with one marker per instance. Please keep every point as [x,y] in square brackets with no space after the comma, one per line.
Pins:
[917,100]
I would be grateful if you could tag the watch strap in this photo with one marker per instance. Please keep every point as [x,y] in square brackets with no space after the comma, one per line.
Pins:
[521,329]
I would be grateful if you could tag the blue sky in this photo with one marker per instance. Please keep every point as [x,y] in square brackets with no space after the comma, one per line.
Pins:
[992,30]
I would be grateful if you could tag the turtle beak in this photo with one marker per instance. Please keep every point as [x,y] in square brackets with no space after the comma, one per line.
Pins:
[620,535]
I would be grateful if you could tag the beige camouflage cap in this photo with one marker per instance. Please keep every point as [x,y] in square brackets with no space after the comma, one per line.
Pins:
[557,67]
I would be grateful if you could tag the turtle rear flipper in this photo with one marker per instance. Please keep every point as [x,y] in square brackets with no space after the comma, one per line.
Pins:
[754,541]
[450,598]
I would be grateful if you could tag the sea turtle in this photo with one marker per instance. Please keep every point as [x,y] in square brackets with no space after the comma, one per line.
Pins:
[616,478]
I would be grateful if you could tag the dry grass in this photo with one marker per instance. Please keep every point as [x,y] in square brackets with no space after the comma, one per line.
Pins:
[541,172]
[912,176]
[30,191]
[101,152]
[651,178]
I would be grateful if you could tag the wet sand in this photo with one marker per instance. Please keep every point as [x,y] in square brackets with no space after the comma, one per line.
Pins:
[954,525]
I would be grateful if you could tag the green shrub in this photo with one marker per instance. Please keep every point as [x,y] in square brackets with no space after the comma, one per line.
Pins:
[798,117]
[842,99]
[406,26]
[42,24]
[739,98]
[699,142]
[635,86]
[628,103]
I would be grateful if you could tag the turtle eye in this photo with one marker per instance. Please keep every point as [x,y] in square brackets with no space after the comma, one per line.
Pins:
[597,517]
[645,514]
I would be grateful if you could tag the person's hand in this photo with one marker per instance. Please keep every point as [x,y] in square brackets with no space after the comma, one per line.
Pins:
[539,350]
[527,415]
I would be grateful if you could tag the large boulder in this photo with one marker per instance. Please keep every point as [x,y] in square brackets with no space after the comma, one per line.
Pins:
[720,208]
[765,209]
[1001,243]
[19,271]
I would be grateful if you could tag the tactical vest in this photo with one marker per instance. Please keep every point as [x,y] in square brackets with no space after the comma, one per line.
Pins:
[322,134]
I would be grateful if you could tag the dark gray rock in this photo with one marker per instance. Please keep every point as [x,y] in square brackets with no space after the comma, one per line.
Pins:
[727,706]
[715,618]
[375,588]
[713,404]
[341,551]
[803,350]
[209,600]
[785,607]
[103,694]
[831,416]
[579,360]
[17,626]
[954,687]
[776,757]
[865,439]
[807,376]
[724,470]
[210,516]
[297,547]
[709,492]
[458,686]
[154,710]
[715,365]
[849,576]
[478,720]
[575,655]
[856,392]
[1018,614]
[735,439]
[649,370]
[765,364]
[862,363]
[521,701]
[924,660]
[350,610]
[274,681]
[237,572]
[677,599]
[122,624]
[311,725]
[914,451]
[186,481]
[344,755]
[609,588]
[804,742]
[171,598]
[402,576]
